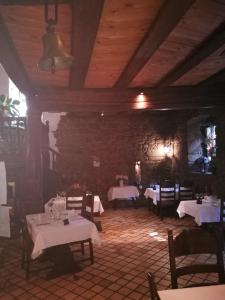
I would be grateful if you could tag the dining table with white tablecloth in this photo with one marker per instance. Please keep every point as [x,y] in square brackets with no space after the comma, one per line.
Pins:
[127,192]
[212,292]
[3,184]
[47,232]
[153,193]
[206,212]
[59,203]
[5,221]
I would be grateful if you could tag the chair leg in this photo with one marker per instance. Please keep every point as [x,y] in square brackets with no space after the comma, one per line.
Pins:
[115,202]
[161,212]
[27,267]
[91,251]
[82,248]
[22,259]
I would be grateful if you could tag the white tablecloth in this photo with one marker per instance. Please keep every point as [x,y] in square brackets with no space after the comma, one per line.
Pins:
[5,221]
[123,192]
[46,232]
[60,204]
[3,184]
[213,292]
[154,194]
[203,213]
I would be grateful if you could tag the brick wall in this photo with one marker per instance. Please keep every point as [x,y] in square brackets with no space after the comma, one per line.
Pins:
[117,142]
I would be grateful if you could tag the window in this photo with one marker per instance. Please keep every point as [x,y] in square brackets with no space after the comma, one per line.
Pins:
[201,144]
[211,146]
[15,94]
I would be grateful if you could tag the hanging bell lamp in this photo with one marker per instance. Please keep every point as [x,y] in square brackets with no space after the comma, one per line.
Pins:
[54,55]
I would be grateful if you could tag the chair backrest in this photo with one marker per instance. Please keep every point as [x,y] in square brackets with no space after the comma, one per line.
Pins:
[76,203]
[167,192]
[185,193]
[152,287]
[27,243]
[222,211]
[88,210]
[1,257]
[196,241]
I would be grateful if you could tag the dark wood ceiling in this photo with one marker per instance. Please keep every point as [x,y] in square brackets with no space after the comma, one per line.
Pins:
[171,50]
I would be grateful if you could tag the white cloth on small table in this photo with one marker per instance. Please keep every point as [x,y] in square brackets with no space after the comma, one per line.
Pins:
[46,232]
[5,221]
[3,183]
[60,204]
[123,192]
[207,212]
[212,292]
[154,194]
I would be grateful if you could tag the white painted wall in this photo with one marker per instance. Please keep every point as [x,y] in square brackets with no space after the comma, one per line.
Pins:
[53,119]
[4,82]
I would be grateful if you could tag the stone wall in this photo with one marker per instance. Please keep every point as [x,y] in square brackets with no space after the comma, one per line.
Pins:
[98,148]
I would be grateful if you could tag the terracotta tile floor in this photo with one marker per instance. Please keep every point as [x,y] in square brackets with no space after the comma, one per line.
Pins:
[134,241]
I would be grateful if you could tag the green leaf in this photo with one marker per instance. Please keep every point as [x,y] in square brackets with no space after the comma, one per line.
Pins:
[2,98]
[9,105]
[9,100]
[15,102]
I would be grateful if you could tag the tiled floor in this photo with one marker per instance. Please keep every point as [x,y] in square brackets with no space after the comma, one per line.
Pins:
[134,241]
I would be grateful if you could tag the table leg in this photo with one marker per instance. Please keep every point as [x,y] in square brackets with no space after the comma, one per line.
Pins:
[115,202]
[150,204]
[134,201]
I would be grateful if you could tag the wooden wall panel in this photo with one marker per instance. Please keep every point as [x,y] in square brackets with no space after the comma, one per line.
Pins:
[122,27]
[26,26]
[202,19]
[213,64]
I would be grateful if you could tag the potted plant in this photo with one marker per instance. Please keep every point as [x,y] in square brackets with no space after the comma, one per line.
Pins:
[8,107]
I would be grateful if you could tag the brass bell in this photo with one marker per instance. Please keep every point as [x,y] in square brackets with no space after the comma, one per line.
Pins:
[54,55]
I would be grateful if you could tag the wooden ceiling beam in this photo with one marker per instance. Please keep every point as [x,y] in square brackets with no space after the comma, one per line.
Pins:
[215,78]
[169,15]
[11,62]
[127,99]
[30,2]
[207,47]
[85,22]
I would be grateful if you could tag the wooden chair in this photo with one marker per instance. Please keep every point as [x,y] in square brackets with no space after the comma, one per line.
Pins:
[222,213]
[167,197]
[222,218]
[185,193]
[84,205]
[88,207]
[27,247]
[88,211]
[152,287]
[76,203]
[195,241]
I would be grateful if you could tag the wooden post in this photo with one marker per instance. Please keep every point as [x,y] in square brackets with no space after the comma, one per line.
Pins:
[33,179]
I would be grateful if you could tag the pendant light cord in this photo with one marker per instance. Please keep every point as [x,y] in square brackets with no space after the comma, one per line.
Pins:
[49,20]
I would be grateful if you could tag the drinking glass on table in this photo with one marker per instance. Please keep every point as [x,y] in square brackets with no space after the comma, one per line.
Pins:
[51,214]
[198,198]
